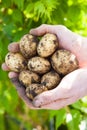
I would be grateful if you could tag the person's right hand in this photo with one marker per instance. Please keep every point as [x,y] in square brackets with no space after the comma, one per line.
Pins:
[74,85]
[14,47]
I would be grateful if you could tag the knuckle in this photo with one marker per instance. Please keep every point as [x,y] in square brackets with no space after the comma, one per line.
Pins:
[43,25]
[61,27]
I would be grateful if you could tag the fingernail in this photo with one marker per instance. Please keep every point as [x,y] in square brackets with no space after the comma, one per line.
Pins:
[13,47]
[36,103]
[12,75]
[10,47]
[31,31]
[4,67]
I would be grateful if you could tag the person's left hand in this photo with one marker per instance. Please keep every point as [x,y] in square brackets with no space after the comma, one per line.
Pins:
[72,87]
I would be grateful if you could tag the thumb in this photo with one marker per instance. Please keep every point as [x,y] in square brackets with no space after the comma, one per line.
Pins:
[41,30]
[47,97]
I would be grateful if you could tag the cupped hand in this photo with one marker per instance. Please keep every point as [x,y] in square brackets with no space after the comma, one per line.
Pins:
[74,85]
[14,47]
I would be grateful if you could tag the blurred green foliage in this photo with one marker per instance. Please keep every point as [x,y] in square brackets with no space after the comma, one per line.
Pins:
[17,17]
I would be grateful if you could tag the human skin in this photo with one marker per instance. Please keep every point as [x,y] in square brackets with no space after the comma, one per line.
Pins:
[73,86]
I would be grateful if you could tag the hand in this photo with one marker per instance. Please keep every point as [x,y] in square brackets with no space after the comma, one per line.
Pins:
[14,47]
[74,85]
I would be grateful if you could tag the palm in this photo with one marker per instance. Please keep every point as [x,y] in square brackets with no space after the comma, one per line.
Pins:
[72,87]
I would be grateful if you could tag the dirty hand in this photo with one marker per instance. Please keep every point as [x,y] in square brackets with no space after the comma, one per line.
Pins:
[74,85]
[14,47]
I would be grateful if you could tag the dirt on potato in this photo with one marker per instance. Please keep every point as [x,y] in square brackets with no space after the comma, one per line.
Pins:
[64,62]
[50,79]
[27,77]
[39,65]
[35,89]
[28,45]
[15,62]
[47,45]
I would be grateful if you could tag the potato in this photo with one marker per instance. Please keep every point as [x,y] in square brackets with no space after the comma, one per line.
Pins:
[50,79]
[15,62]
[64,62]
[27,77]
[39,65]
[28,45]
[35,89]
[47,45]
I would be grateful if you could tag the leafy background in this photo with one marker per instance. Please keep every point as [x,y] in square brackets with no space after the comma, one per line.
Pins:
[17,17]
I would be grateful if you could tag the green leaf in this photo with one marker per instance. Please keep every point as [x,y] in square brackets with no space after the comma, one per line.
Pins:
[74,13]
[47,7]
[19,3]
[17,16]
[19,34]
[52,113]
[29,8]
[8,29]
[8,96]
[73,119]
[5,3]
[77,105]
[60,117]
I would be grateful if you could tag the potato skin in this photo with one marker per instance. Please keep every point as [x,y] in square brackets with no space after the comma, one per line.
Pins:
[39,65]
[50,79]
[15,62]
[27,77]
[64,62]
[35,89]
[28,45]
[47,45]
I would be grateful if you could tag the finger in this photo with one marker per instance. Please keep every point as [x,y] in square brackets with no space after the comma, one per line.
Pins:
[48,97]
[5,67]
[21,91]
[14,47]
[58,104]
[68,87]
[41,30]
[13,75]
[63,90]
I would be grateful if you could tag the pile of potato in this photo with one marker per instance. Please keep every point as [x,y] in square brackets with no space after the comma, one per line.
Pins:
[40,63]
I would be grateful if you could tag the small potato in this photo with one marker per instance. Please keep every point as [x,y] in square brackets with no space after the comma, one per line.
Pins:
[47,45]
[35,89]
[64,62]
[50,79]
[27,77]
[39,65]
[28,45]
[15,62]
